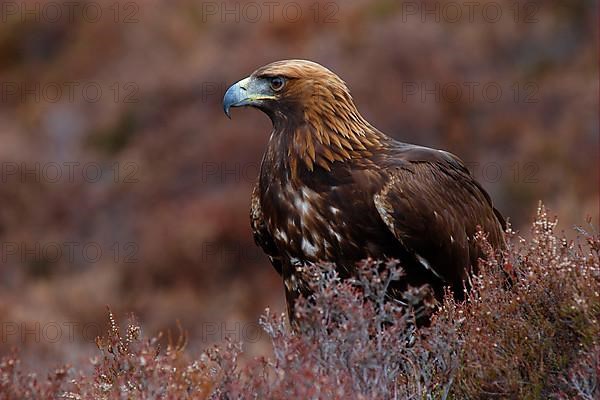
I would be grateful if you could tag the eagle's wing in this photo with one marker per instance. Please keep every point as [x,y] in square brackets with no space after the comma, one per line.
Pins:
[261,235]
[433,206]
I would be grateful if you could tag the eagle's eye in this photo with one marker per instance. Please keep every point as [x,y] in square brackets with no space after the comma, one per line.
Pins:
[277,83]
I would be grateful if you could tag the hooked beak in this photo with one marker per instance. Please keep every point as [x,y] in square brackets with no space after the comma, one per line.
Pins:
[247,92]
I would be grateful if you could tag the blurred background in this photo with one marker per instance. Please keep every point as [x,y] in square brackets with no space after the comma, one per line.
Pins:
[122,183]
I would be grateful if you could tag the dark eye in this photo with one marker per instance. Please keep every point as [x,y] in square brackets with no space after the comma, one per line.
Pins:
[277,83]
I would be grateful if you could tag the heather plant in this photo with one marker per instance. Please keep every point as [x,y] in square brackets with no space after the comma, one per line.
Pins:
[517,341]
[528,329]
[349,342]
[583,379]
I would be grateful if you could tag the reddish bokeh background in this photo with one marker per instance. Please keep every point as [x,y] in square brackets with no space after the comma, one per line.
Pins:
[123,183]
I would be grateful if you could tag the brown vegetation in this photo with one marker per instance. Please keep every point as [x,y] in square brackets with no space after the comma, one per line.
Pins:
[532,335]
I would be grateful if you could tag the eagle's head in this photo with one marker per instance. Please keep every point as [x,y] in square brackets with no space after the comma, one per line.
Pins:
[310,107]
[287,89]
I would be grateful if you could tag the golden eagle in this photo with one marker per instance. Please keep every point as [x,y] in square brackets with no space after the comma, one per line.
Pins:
[333,188]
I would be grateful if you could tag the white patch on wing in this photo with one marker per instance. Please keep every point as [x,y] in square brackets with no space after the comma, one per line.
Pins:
[291,283]
[426,264]
[306,192]
[384,212]
[307,219]
[301,205]
[295,261]
[281,235]
[335,234]
[308,248]
[304,202]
